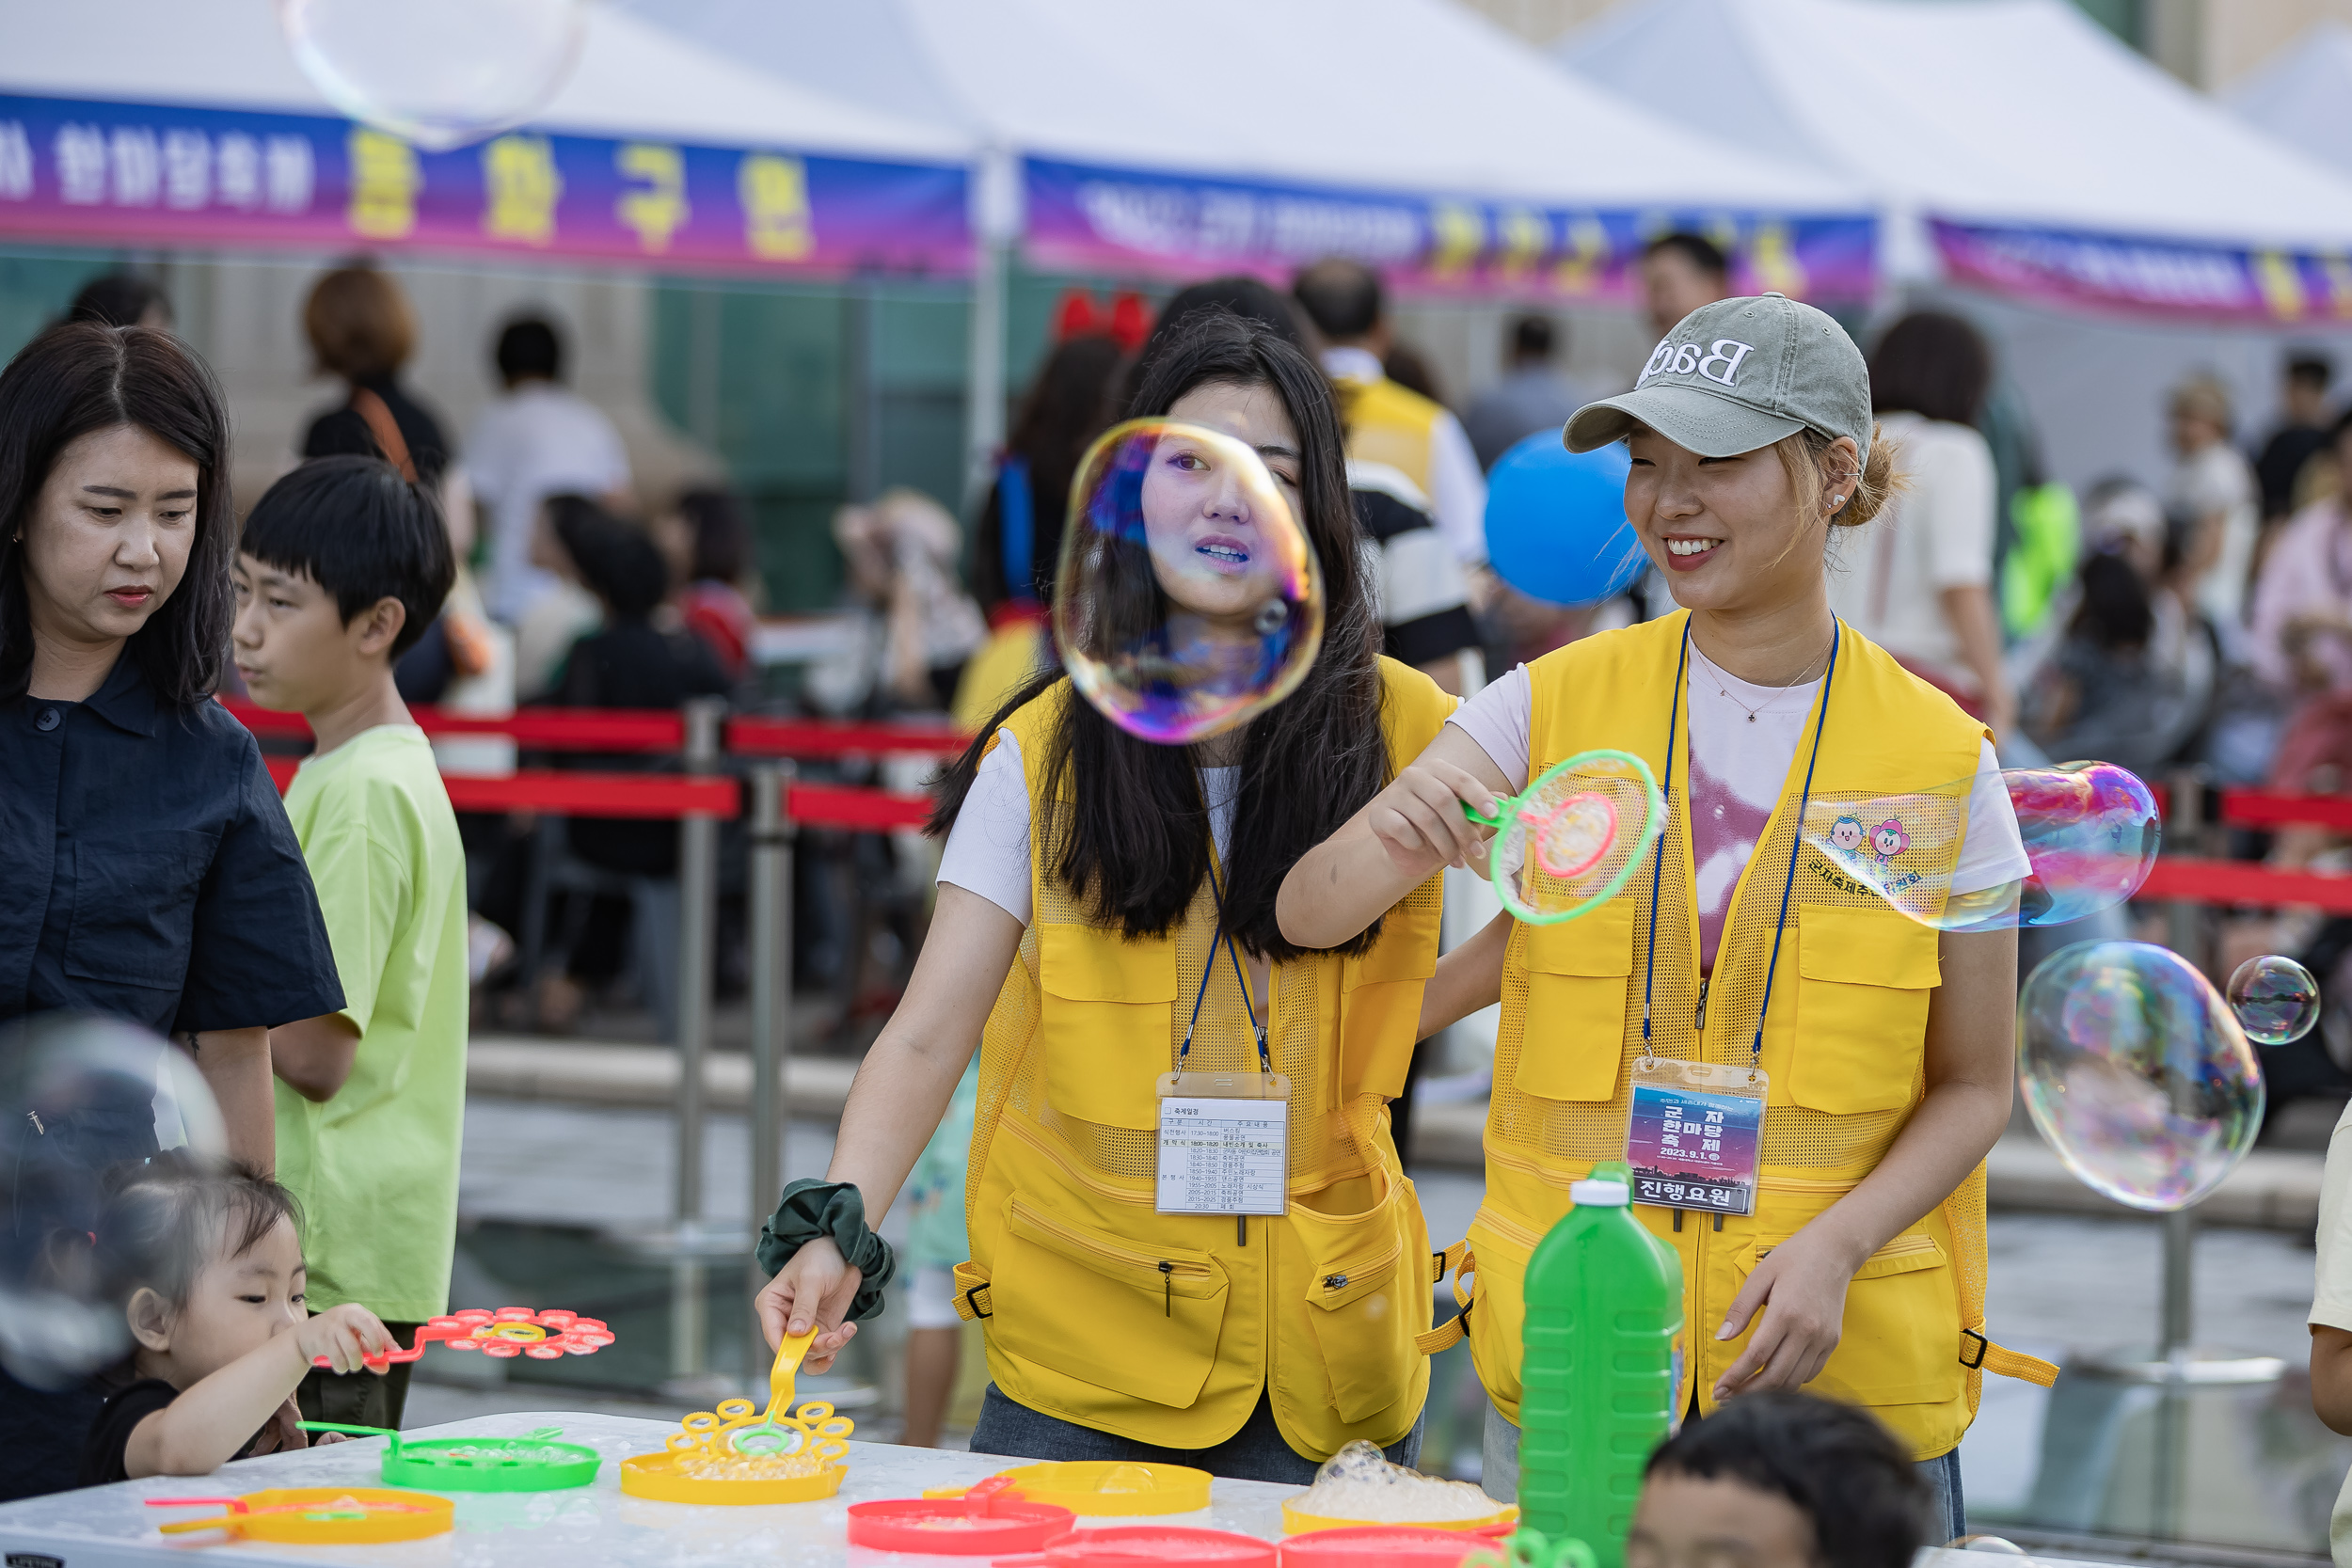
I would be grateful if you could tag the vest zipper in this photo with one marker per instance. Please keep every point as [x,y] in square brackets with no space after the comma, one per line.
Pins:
[1167,1268]
[1698,1019]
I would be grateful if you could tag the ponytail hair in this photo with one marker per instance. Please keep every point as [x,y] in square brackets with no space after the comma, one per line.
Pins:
[1805,455]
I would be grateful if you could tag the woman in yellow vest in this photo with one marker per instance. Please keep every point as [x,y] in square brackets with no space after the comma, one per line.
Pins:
[1101,899]
[1853,1260]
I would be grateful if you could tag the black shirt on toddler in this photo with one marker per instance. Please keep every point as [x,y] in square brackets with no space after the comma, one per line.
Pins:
[109,1441]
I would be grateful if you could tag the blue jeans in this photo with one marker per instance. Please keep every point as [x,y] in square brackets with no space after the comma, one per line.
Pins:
[1256,1452]
[1947,1515]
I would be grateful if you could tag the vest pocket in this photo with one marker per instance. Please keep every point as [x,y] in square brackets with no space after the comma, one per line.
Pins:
[1865,977]
[1380,1004]
[1902,1320]
[1139,1319]
[1578,973]
[1106,1022]
[1365,1301]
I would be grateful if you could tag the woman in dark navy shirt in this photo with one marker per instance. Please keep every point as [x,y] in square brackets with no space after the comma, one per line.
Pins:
[146,869]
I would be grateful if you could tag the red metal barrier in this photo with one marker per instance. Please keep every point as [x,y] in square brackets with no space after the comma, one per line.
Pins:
[656,795]
[650,730]
[859,809]
[2205,882]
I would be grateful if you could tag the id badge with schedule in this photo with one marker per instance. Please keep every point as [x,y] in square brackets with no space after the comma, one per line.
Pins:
[1224,1143]
[1693,1132]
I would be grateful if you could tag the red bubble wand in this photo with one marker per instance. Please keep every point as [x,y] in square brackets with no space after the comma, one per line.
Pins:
[510,1331]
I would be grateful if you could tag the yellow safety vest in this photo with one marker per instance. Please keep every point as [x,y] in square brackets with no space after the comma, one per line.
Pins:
[1166,1327]
[1389,424]
[1844,1042]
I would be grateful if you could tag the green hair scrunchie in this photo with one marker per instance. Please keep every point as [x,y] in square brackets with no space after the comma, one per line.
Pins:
[836,1210]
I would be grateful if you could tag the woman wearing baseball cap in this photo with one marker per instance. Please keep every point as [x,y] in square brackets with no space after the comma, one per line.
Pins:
[1862,1056]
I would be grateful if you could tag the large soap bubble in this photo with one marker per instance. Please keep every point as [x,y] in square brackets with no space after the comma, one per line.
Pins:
[1188,600]
[2275,1000]
[78,1097]
[438,72]
[2136,1072]
[1556,527]
[1571,838]
[2090,830]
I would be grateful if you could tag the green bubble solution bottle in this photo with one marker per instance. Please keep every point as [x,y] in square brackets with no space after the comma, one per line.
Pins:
[1603,1363]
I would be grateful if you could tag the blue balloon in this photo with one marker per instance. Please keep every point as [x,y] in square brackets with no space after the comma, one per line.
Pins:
[1555,521]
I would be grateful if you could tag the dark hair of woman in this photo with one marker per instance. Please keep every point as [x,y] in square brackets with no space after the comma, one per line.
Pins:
[1251,298]
[1135,841]
[2116,614]
[80,377]
[1933,364]
[617,563]
[121,299]
[723,536]
[1063,413]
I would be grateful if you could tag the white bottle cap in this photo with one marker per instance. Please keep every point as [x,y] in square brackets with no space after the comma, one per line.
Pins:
[1602,1194]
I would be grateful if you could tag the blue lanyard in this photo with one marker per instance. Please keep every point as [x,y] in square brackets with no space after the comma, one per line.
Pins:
[1016,527]
[1673,715]
[1265,1058]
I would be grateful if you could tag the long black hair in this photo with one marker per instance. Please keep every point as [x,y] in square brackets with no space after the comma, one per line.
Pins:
[79,378]
[1135,841]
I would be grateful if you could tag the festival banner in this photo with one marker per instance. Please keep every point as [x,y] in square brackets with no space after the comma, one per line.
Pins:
[151,175]
[1087,218]
[2143,276]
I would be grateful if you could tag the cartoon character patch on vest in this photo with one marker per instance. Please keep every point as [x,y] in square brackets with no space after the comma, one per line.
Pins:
[1889,839]
[1847,835]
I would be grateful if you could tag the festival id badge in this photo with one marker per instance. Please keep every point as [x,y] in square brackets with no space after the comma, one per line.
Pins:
[1225,1143]
[1692,1136]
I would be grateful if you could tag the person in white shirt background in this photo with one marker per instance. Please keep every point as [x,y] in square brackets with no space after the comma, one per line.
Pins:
[1343,300]
[1918,579]
[2213,488]
[538,439]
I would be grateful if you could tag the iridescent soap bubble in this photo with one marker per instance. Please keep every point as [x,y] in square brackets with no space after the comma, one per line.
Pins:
[1188,600]
[440,73]
[2275,1000]
[1571,839]
[2136,1072]
[2089,831]
[78,1097]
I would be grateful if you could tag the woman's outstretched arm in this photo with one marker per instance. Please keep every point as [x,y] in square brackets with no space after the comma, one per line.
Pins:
[1391,847]
[901,1091]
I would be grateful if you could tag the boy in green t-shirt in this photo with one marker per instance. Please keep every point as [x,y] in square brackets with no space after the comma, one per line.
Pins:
[342,566]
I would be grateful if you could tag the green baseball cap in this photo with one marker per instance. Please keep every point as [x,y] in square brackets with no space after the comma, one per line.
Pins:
[1739,374]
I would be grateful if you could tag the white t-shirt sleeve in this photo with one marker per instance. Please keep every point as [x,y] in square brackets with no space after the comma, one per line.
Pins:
[988,848]
[1457,489]
[1500,718]
[1952,504]
[1995,852]
[2331,1293]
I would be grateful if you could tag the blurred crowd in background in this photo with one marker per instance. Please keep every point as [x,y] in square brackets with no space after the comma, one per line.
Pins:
[2195,618]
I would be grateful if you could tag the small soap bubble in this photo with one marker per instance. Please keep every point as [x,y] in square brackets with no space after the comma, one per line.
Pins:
[2136,1071]
[1188,600]
[1574,837]
[2089,831]
[439,73]
[78,1098]
[2275,1000]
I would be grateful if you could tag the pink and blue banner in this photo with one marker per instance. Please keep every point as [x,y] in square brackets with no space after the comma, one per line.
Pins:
[1087,218]
[2145,277]
[149,175]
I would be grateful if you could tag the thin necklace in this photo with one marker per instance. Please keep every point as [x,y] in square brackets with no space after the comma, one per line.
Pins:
[1798,683]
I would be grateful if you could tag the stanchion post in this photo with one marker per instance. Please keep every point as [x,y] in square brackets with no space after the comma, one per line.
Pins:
[772,1002]
[698,868]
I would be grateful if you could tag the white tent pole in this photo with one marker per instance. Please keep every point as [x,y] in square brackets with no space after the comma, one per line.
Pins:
[996,228]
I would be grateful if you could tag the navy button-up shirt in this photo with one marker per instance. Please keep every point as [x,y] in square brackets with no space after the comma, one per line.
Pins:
[147,869]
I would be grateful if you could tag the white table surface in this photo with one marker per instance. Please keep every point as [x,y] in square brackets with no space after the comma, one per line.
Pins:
[586,1527]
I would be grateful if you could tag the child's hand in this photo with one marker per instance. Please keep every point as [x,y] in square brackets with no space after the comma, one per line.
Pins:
[345,1334]
[815,1286]
[1418,819]
[282,1433]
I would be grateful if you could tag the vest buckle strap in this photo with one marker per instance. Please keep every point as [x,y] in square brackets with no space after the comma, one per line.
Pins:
[1983,1346]
[972,1301]
[2004,1362]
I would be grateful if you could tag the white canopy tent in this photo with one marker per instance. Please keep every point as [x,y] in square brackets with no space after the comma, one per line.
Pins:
[1125,136]
[2111,229]
[632,80]
[2303,95]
